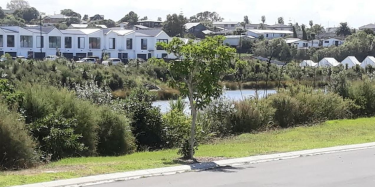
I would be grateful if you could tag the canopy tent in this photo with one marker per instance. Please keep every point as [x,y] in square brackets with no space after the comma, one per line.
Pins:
[307,63]
[369,61]
[328,62]
[350,61]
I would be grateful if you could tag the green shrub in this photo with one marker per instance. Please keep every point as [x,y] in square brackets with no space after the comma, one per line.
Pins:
[363,95]
[114,133]
[286,110]
[17,148]
[146,121]
[251,114]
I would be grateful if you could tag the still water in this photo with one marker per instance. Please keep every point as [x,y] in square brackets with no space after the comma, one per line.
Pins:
[230,95]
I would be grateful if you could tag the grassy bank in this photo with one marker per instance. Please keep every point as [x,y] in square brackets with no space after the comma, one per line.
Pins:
[271,84]
[332,133]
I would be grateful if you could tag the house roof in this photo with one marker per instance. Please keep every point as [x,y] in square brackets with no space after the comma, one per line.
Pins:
[123,32]
[328,62]
[291,40]
[57,16]
[190,25]
[45,30]
[308,63]
[370,60]
[101,26]
[86,31]
[368,26]
[147,33]
[141,26]
[79,25]
[280,26]
[73,32]
[149,21]
[237,36]
[351,60]
[270,31]
[207,31]
[11,29]
[225,23]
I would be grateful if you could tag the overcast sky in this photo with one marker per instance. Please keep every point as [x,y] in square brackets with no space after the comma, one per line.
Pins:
[325,12]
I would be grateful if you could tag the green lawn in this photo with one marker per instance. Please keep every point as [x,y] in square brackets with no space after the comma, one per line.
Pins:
[332,133]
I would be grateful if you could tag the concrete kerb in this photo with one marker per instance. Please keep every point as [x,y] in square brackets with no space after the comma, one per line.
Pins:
[108,178]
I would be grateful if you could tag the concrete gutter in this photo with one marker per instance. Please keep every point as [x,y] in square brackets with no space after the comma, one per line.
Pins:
[108,178]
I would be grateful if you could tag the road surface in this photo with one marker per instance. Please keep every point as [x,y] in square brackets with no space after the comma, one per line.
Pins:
[345,169]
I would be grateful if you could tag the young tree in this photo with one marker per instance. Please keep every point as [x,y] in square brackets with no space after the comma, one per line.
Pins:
[197,73]
[272,49]
[174,25]
[144,18]
[304,34]
[343,30]
[294,32]
[317,29]
[280,20]
[131,17]
[311,23]
[2,14]
[17,4]
[85,17]
[263,19]
[159,19]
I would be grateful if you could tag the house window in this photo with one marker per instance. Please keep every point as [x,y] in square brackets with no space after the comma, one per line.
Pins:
[129,43]
[232,25]
[94,43]
[89,54]
[164,55]
[123,55]
[68,42]
[225,25]
[305,44]
[266,35]
[26,41]
[143,44]
[54,42]
[327,42]
[40,41]
[161,40]
[112,43]
[10,41]
[1,40]
[149,55]
[81,42]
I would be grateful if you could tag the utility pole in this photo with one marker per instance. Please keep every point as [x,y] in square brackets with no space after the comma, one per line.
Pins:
[41,36]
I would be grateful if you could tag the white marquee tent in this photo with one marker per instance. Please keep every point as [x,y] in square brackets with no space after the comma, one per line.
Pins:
[307,63]
[350,61]
[369,61]
[328,62]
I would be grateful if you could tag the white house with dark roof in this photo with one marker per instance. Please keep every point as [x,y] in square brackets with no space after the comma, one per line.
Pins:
[280,27]
[227,25]
[370,26]
[332,42]
[269,34]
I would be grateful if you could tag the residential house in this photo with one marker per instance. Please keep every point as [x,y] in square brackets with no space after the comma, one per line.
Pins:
[328,62]
[301,44]
[281,27]
[9,42]
[255,26]
[308,63]
[235,40]
[140,27]
[54,19]
[151,24]
[78,26]
[145,43]
[120,43]
[269,34]
[7,11]
[369,61]
[332,42]
[370,26]
[229,25]
[195,29]
[350,62]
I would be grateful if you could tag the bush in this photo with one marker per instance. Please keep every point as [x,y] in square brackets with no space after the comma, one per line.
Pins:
[115,137]
[286,110]
[251,114]
[146,121]
[17,148]
[363,95]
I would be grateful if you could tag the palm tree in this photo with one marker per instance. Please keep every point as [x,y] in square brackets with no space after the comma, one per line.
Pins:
[263,19]
[343,30]
[280,20]
[311,23]
[245,21]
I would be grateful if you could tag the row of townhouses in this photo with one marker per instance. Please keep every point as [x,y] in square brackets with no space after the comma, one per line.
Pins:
[38,42]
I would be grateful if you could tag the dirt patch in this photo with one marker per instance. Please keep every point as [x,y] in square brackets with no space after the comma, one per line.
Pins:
[198,160]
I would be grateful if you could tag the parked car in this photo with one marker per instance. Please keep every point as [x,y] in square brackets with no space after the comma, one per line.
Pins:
[3,59]
[51,57]
[87,60]
[19,57]
[113,61]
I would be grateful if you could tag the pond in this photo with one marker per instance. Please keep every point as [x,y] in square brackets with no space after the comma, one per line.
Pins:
[230,95]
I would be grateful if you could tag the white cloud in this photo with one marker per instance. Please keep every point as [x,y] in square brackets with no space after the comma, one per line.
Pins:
[356,13]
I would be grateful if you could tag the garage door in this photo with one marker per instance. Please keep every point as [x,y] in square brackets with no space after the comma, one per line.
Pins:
[1,53]
[142,56]
[39,55]
[68,55]
[13,54]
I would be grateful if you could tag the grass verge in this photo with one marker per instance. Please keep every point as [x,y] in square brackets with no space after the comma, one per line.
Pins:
[331,133]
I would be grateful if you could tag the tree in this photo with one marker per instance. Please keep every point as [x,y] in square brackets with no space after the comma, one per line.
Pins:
[206,16]
[11,20]
[317,29]
[280,20]
[2,14]
[144,18]
[61,26]
[273,49]
[198,72]
[343,30]
[304,34]
[369,31]
[70,13]
[311,23]
[263,19]
[159,19]
[108,23]
[174,25]
[17,4]
[294,32]
[27,14]
[85,17]
[72,20]
[131,18]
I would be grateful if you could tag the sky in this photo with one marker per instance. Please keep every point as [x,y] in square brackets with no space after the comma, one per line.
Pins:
[328,13]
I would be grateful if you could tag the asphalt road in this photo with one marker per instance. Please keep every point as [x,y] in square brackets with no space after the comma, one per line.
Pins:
[346,169]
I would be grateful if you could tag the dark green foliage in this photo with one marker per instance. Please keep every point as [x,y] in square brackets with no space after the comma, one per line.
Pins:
[115,137]
[17,148]
[146,121]
[56,137]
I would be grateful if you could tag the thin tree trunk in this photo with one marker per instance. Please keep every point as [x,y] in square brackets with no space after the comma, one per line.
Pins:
[267,73]
[193,110]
